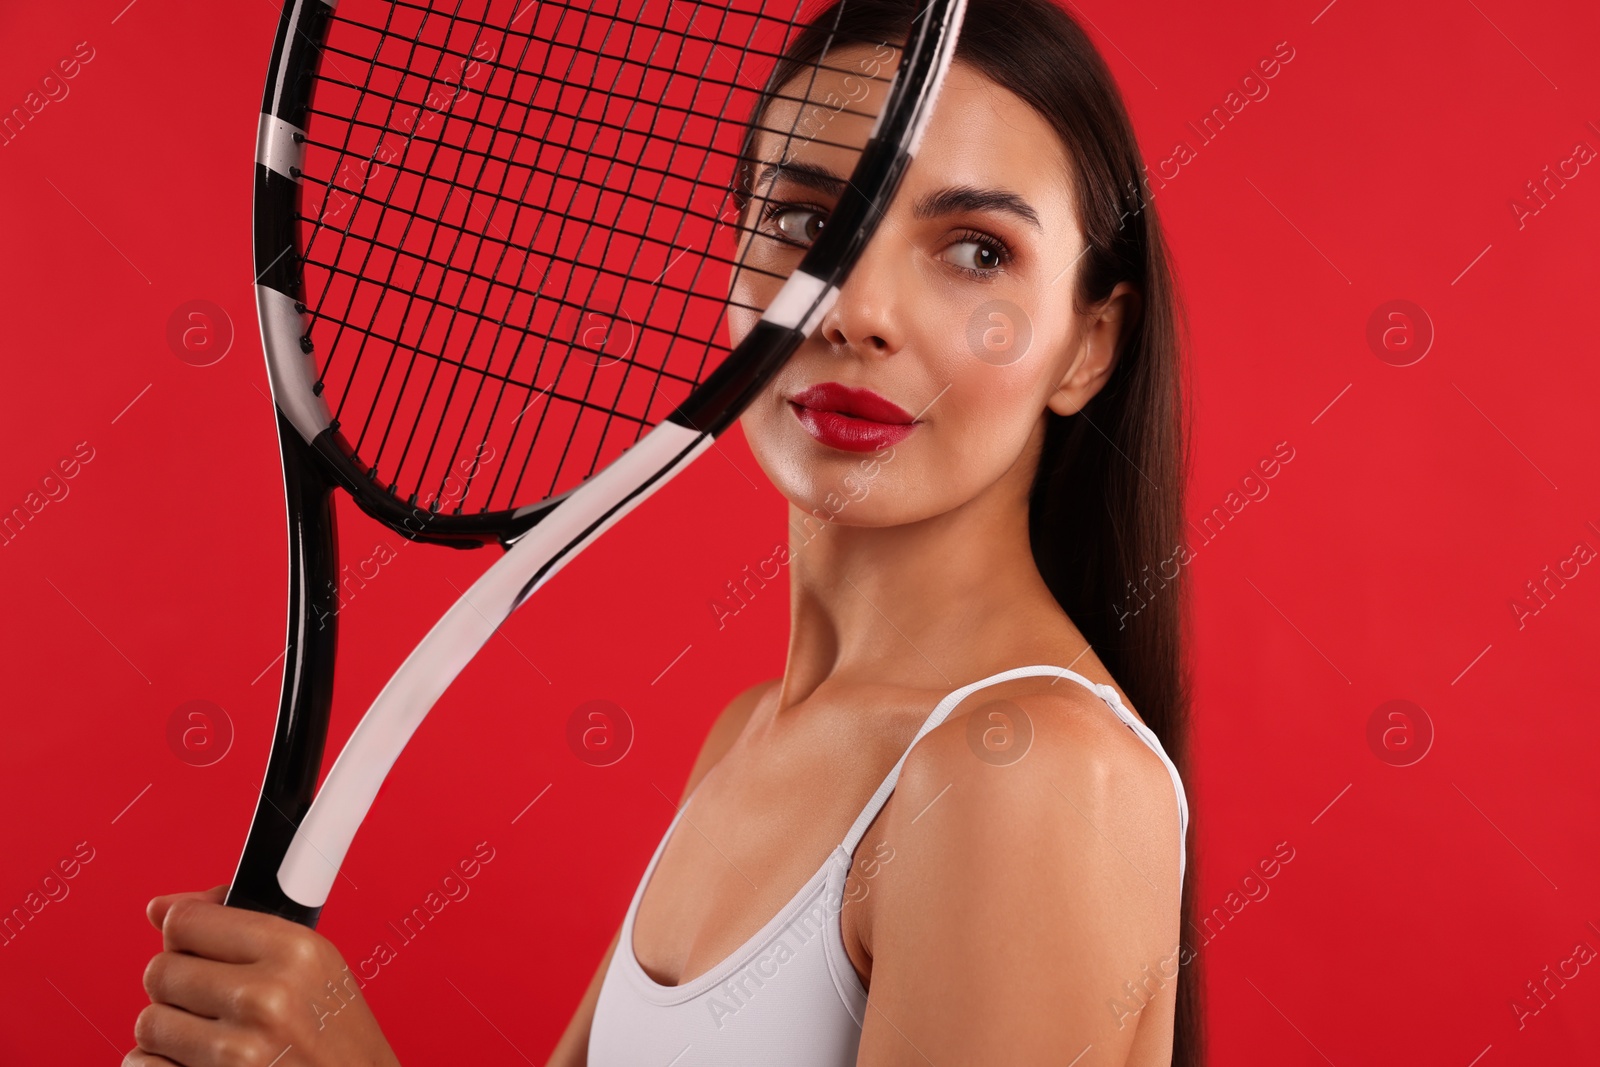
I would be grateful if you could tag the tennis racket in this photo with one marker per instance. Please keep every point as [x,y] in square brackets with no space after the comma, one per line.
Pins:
[517,266]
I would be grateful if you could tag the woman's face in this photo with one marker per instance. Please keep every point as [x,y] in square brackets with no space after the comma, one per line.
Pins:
[959,311]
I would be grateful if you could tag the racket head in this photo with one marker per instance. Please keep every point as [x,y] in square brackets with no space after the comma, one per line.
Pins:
[497,246]
[331,127]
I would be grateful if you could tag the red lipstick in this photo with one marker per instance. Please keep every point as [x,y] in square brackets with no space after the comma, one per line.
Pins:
[855,420]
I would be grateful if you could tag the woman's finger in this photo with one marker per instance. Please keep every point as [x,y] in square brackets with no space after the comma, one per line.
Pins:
[156,910]
[197,985]
[140,1058]
[218,932]
[189,1039]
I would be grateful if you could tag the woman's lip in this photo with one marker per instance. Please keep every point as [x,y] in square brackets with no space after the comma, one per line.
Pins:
[857,403]
[849,433]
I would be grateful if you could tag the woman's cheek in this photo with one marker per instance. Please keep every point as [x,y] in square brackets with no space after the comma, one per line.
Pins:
[740,322]
[749,293]
[977,437]
[763,434]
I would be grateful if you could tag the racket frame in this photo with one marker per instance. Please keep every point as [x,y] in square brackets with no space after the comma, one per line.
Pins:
[311,831]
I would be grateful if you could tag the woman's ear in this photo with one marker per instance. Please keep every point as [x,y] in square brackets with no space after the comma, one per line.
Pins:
[1091,366]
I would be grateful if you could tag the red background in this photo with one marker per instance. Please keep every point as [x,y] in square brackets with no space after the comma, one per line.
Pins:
[1382,565]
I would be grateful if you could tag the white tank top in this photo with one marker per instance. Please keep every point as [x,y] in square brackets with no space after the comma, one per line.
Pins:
[789,996]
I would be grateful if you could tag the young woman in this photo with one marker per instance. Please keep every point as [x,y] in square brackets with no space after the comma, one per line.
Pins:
[954,830]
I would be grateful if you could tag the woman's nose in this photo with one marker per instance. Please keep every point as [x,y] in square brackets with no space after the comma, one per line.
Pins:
[868,317]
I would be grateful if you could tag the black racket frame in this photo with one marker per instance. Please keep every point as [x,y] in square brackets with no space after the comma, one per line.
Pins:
[313,470]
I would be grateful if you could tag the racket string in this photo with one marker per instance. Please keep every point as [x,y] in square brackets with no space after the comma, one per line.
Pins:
[717,218]
[419,248]
[605,427]
[443,274]
[511,101]
[431,379]
[472,194]
[545,411]
[361,274]
[662,29]
[466,422]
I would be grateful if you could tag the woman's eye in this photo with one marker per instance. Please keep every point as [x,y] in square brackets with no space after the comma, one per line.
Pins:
[977,255]
[801,225]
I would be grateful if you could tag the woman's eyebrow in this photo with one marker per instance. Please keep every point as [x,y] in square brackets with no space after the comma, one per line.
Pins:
[950,200]
[807,175]
[958,198]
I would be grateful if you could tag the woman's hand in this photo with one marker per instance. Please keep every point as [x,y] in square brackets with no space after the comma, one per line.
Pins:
[233,988]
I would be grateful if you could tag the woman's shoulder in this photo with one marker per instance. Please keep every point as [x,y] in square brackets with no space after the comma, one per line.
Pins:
[1026,753]
[1068,726]
[726,729]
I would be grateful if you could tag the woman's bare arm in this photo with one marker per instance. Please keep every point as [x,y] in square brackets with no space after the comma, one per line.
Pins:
[1032,914]
[573,1048]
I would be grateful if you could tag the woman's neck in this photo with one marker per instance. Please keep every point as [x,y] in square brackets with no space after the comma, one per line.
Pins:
[931,604]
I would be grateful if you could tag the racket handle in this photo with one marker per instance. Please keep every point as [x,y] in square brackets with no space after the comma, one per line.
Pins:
[306,699]
[313,858]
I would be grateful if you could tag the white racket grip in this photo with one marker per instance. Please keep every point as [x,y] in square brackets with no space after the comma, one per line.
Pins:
[312,862]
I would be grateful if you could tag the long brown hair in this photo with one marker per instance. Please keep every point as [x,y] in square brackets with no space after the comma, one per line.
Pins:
[1106,509]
